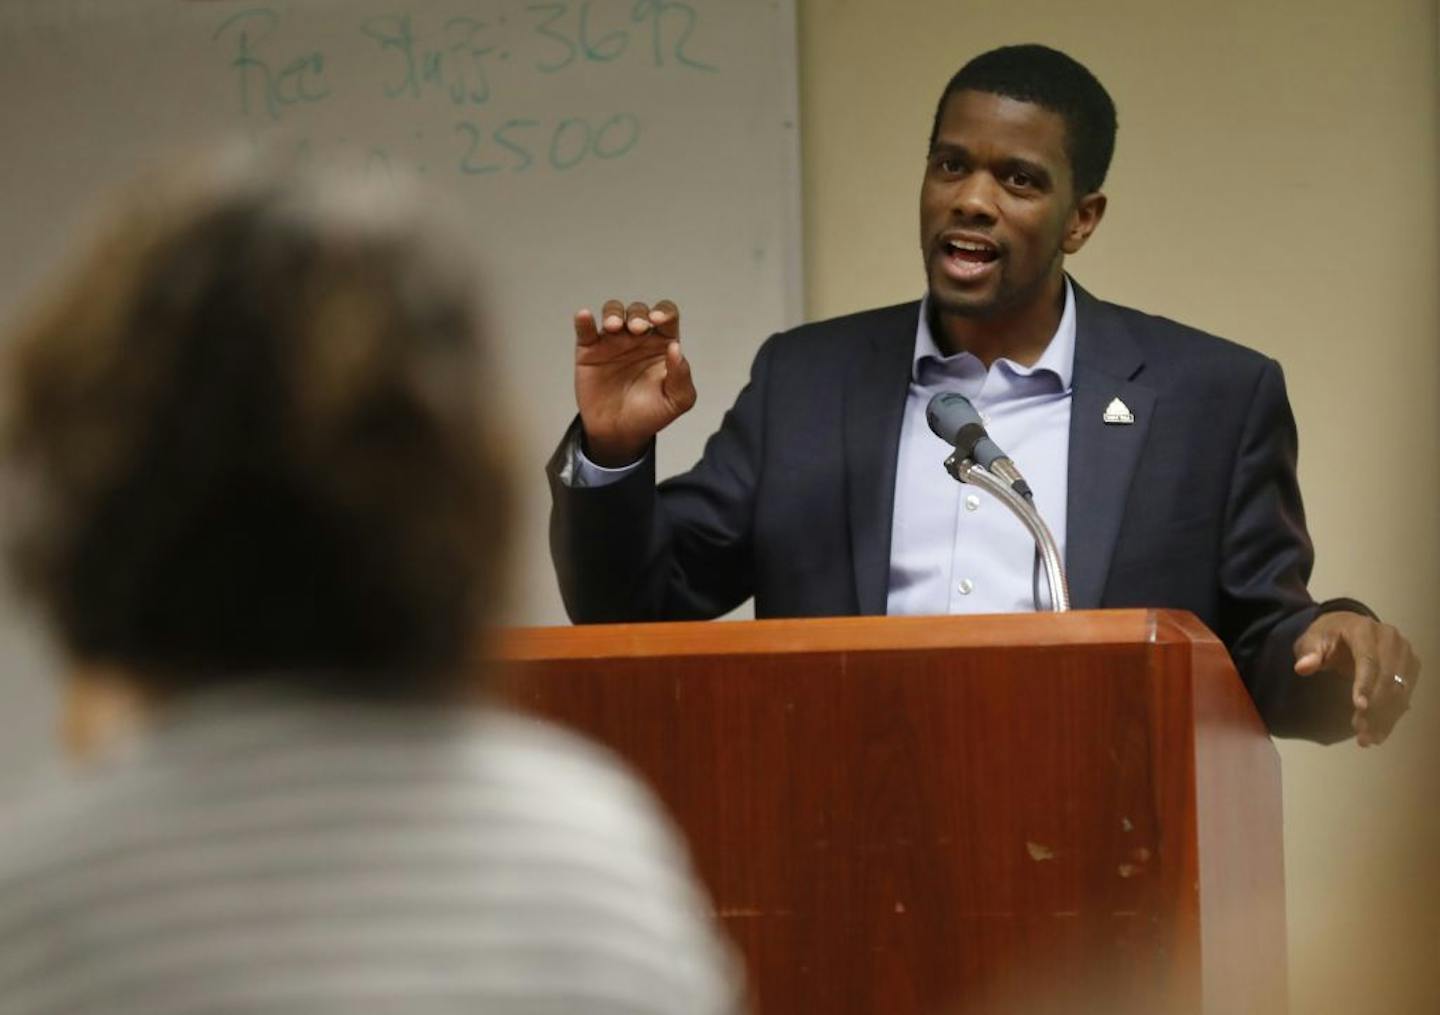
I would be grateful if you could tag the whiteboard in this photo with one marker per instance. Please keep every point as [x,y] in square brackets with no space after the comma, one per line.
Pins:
[634,148]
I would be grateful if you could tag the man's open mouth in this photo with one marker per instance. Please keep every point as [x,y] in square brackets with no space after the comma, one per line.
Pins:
[971,251]
[968,259]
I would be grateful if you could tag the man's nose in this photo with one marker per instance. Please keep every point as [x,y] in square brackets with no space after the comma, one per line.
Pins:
[974,198]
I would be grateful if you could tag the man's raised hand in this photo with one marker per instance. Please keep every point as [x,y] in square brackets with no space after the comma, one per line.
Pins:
[631,379]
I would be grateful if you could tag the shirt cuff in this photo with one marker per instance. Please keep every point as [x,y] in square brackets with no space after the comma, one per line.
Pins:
[579,471]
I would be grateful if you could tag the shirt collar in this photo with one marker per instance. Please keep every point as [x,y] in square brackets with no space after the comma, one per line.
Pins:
[1057,359]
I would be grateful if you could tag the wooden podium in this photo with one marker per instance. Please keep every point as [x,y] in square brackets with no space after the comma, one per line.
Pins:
[1024,813]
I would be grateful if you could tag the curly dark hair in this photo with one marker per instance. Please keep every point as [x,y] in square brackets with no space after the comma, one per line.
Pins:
[246,434]
[1054,81]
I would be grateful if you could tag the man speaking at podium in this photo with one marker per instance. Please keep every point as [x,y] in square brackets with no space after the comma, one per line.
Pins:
[1162,458]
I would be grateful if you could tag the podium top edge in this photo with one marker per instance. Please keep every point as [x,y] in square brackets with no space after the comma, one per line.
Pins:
[851,634]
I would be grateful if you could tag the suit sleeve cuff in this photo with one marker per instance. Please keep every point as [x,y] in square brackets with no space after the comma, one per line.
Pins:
[578,471]
[1343,605]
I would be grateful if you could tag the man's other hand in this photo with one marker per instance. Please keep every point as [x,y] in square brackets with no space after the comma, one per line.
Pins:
[1375,658]
[631,379]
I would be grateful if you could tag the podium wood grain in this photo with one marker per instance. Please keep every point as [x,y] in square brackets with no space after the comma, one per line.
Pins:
[952,815]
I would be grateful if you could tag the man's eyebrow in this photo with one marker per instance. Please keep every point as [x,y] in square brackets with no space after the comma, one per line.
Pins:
[948,148]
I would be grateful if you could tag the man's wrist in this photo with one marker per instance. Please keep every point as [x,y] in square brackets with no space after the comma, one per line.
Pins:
[609,455]
[579,470]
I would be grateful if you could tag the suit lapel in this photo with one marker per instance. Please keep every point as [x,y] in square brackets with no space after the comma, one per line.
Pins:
[874,401]
[1103,455]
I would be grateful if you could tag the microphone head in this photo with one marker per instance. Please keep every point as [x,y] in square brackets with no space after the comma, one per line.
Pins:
[951,415]
[948,412]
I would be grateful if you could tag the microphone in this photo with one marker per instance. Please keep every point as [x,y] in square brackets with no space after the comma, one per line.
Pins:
[955,421]
[978,460]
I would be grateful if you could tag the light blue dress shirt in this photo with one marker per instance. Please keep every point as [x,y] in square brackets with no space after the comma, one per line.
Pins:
[955,548]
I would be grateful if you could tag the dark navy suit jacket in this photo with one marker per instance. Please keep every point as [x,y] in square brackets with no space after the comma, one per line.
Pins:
[1194,506]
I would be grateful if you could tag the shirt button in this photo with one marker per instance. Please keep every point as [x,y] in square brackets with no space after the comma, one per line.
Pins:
[972,502]
[966,586]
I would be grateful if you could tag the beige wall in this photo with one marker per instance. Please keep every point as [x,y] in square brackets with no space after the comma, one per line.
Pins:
[1275,181]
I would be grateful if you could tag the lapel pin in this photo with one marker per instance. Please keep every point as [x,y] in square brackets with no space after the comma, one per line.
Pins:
[1118,412]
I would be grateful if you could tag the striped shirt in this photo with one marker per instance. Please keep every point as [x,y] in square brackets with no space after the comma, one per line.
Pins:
[258,853]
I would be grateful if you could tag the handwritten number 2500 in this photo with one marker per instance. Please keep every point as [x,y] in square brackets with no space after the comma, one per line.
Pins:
[611,45]
[570,142]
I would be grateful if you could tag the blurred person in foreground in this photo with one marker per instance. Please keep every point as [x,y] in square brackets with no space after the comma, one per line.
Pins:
[252,486]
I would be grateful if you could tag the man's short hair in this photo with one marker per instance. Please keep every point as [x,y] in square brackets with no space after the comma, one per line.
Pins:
[1053,81]
[247,435]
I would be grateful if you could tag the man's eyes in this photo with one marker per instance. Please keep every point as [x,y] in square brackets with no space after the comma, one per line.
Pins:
[1019,179]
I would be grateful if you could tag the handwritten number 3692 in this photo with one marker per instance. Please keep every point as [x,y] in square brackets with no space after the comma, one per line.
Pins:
[658,14]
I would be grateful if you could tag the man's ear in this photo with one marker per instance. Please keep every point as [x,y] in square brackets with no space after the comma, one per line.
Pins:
[1085,216]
